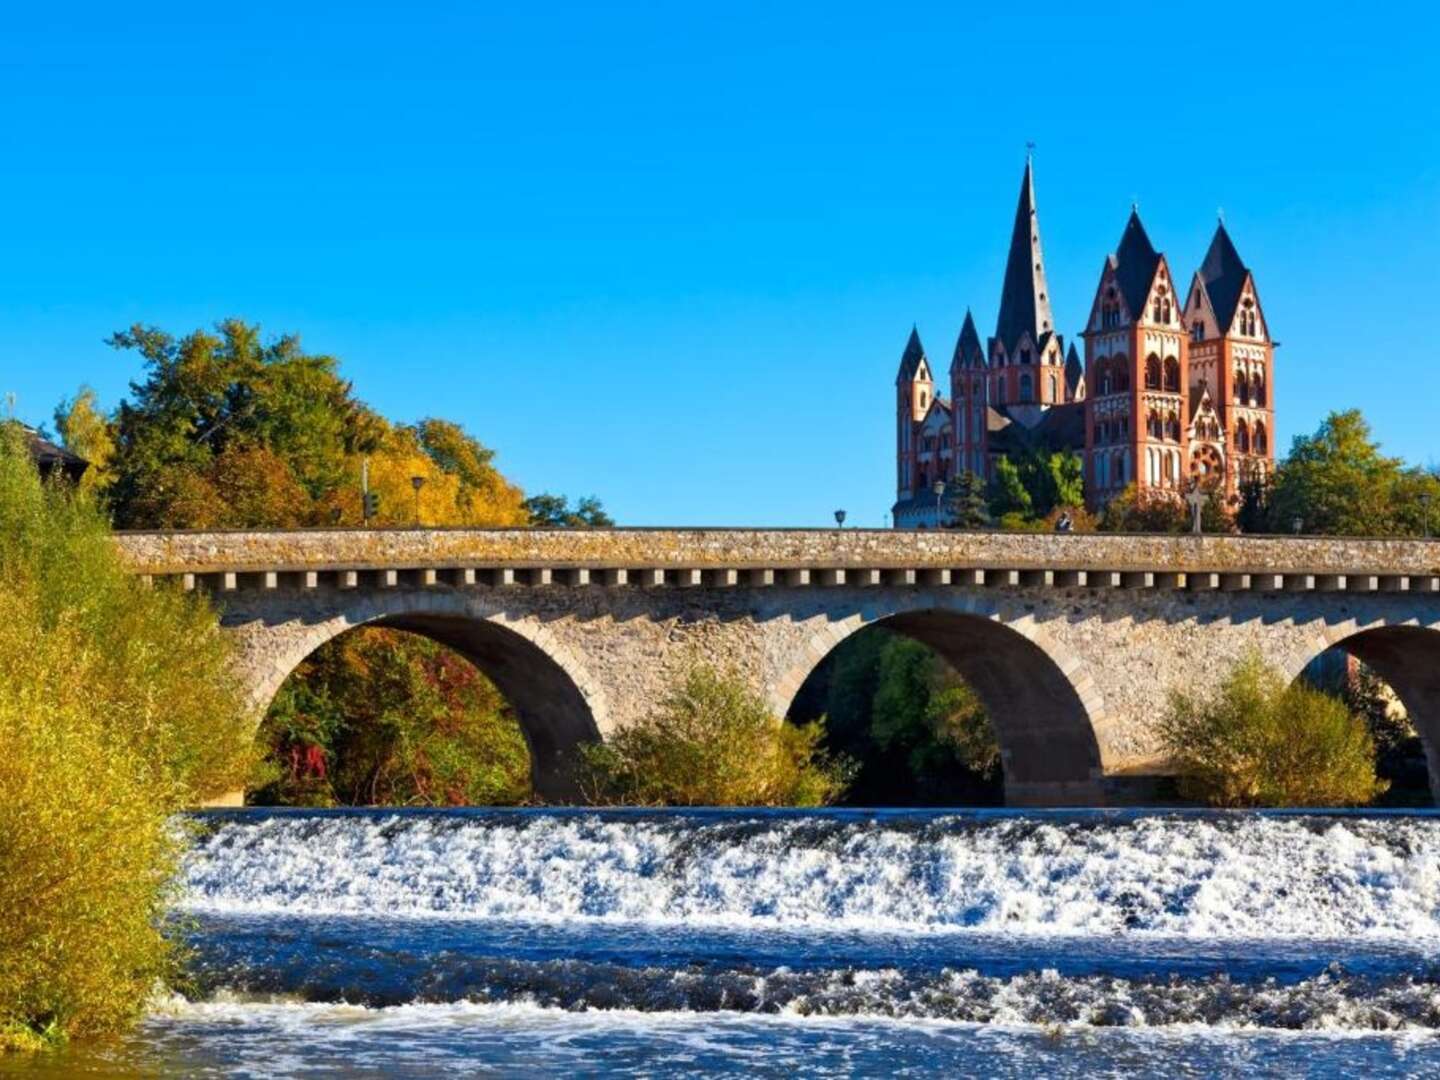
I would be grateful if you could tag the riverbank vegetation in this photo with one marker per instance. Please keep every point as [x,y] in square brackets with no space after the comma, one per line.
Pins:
[116,709]
[1258,740]
[712,741]
[918,734]
[379,717]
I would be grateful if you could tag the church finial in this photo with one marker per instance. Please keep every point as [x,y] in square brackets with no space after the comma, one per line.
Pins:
[1029,152]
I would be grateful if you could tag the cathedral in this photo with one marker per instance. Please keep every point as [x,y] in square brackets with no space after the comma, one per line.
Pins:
[1176,386]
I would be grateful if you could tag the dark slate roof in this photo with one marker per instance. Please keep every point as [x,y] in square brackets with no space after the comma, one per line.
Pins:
[911,357]
[1025,298]
[1223,273]
[49,457]
[968,353]
[1061,427]
[1074,370]
[1135,262]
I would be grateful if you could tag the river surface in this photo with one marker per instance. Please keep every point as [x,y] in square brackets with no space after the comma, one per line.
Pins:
[745,943]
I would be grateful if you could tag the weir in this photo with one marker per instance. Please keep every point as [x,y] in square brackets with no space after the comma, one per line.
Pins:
[1074,642]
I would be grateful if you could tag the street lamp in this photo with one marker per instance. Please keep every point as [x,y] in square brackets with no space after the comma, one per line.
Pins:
[417,482]
[939,490]
[840,519]
[1298,524]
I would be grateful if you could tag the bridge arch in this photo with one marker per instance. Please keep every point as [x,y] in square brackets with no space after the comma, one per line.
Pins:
[1048,712]
[557,703]
[1406,655]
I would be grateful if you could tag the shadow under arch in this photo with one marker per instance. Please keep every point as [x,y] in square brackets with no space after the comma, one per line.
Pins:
[554,713]
[1408,659]
[1045,710]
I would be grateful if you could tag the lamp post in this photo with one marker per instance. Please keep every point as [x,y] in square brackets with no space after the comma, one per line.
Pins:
[939,490]
[417,482]
[839,519]
[1298,524]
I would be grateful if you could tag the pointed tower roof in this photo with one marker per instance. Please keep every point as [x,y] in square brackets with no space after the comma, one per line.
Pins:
[911,358]
[1025,298]
[1223,273]
[1135,262]
[1074,370]
[968,352]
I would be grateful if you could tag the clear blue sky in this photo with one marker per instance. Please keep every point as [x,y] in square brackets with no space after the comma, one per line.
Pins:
[669,254]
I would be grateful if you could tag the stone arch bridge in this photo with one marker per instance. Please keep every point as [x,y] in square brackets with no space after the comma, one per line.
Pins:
[1073,642]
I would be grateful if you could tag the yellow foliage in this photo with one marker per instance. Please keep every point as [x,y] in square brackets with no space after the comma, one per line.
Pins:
[116,709]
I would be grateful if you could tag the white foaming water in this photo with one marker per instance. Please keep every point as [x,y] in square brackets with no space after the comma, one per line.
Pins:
[1213,877]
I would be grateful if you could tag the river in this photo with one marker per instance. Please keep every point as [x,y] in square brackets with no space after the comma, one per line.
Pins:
[776,943]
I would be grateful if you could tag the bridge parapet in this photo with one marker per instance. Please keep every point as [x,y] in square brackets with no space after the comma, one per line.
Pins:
[350,558]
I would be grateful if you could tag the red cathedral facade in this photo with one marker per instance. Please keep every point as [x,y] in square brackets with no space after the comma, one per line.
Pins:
[1176,386]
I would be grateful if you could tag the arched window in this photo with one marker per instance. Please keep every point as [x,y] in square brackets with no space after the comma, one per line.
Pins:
[1242,437]
[1155,310]
[1172,375]
[1119,470]
[1172,428]
[1026,392]
[1054,389]
[1120,374]
[1102,471]
[1165,311]
[1152,425]
[1257,390]
[1104,376]
[1000,391]
[1262,442]
[1152,372]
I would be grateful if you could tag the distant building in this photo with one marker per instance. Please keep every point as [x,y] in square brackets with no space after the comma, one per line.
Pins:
[1174,387]
[50,457]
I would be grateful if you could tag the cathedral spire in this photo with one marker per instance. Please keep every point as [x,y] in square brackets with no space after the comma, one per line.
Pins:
[968,353]
[912,360]
[1223,273]
[1025,299]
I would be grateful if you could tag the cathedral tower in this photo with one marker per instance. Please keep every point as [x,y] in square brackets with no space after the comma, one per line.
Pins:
[1136,375]
[914,392]
[968,400]
[1233,355]
[1026,355]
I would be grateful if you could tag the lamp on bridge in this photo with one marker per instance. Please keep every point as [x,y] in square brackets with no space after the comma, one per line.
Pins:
[417,482]
[1297,524]
[939,490]
[840,518]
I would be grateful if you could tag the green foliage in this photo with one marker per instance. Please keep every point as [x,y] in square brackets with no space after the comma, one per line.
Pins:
[1257,741]
[84,430]
[1009,494]
[379,717]
[1336,482]
[917,731]
[713,742]
[116,709]
[1032,485]
[965,503]
[227,431]
[554,512]
[1154,511]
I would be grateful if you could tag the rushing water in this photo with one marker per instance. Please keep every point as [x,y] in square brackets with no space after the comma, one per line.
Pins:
[770,943]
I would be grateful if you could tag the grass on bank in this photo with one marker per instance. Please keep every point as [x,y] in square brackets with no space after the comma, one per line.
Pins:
[1257,740]
[116,709]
